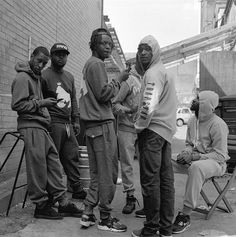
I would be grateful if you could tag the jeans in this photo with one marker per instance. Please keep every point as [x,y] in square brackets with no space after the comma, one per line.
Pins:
[157,181]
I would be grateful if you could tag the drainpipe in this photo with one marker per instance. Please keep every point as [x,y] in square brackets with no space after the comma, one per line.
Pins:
[102,20]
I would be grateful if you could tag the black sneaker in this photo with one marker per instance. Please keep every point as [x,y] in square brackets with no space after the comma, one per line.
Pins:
[88,220]
[182,223]
[140,213]
[130,205]
[79,195]
[70,210]
[112,224]
[141,233]
[47,213]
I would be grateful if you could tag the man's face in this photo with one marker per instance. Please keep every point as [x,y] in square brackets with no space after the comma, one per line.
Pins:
[145,54]
[195,105]
[59,58]
[38,62]
[104,46]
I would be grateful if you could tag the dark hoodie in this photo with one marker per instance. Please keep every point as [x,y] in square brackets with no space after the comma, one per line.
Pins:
[26,98]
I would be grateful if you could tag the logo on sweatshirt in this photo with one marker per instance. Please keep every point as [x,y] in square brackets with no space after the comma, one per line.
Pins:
[65,96]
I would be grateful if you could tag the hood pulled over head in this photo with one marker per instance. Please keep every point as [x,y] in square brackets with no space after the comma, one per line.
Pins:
[156,50]
[25,67]
[208,101]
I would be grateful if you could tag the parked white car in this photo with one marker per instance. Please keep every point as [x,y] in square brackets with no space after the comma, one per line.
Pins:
[183,114]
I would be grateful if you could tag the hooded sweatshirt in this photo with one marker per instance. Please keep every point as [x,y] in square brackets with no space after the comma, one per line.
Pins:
[208,133]
[26,99]
[158,103]
[128,96]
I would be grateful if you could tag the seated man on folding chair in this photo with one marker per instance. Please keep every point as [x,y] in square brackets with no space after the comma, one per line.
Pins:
[205,154]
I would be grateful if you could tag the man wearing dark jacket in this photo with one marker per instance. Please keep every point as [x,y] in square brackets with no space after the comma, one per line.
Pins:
[59,83]
[44,171]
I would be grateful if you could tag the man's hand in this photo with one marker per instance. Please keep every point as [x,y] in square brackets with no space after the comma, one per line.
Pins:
[195,156]
[76,127]
[120,109]
[123,76]
[184,157]
[48,102]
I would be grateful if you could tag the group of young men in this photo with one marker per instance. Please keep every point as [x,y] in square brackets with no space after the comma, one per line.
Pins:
[144,102]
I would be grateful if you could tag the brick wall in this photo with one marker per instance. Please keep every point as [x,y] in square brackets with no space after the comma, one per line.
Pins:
[26,24]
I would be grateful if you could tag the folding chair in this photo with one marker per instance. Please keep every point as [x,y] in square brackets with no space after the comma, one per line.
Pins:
[229,178]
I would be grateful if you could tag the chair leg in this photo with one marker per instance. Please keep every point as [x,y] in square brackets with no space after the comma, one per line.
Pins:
[26,194]
[15,182]
[13,147]
[222,195]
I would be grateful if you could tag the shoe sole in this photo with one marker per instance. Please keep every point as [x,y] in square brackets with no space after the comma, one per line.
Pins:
[71,215]
[48,218]
[128,212]
[134,235]
[181,231]
[140,216]
[87,224]
[101,227]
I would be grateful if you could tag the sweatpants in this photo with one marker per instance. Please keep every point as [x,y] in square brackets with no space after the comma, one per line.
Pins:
[44,170]
[101,144]
[68,149]
[126,141]
[197,173]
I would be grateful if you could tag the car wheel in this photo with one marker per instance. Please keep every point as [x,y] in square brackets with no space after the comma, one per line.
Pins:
[180,122]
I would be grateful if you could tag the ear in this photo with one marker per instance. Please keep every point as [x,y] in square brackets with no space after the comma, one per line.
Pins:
[31,56]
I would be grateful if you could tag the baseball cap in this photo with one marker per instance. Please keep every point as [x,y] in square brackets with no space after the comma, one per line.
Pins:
[59,47]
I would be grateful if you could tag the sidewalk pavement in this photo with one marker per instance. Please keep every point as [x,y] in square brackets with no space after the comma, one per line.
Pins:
[220,225]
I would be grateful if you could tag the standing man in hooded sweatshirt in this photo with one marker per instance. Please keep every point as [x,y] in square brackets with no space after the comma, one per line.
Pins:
[44,170]
[204,156]
[156,126]
[59,83]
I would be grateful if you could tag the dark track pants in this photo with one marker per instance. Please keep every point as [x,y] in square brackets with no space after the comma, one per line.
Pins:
[68,149]
[44,170]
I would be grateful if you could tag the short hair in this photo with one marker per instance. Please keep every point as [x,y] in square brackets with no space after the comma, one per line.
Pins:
[94,38]
[41,49]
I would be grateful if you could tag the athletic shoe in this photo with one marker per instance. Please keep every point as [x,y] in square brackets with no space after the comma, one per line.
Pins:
[79,195]
[182,223]
[47,213]
[130,205]
[112,224]
[70,210]
[141,233]
[88,220]
[140,213]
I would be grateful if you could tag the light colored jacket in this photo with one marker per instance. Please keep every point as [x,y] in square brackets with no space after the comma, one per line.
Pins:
[208,133]
[158,95]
